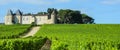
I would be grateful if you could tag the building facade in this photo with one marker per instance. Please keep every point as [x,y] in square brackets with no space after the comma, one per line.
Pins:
[20,18]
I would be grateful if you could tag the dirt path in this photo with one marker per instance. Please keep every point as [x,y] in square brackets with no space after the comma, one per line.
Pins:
[31,32]
[34,30]
[47,45]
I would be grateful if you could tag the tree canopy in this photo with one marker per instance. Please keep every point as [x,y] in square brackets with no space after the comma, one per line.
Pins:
[69,16]
[87,19]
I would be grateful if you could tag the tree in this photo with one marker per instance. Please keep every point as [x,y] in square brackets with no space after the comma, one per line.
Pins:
[63,15]
[76,17]
[69,16]
[87,19]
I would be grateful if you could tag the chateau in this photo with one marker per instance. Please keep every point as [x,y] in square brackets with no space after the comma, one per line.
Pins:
[19,18]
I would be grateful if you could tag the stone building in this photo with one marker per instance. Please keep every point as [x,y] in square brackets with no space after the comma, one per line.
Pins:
[20,18]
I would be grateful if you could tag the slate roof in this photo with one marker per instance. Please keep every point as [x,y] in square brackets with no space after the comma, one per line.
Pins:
[18,12]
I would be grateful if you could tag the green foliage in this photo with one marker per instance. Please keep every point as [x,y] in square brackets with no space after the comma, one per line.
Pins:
[22,44]
[82,37]
[13,31]
[9,38]
[69,16]
[60,45]
[87,19]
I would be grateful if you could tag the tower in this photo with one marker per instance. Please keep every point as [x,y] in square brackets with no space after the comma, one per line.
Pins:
[18,17]
[53,17]
[9,18]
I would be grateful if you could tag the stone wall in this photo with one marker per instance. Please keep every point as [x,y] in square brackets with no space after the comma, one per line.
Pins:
[41,20]
[27,19]
[8,20]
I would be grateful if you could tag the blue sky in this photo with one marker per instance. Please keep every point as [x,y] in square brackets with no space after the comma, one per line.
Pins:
[103,11]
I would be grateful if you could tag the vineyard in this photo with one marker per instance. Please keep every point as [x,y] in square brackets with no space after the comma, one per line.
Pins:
[22,44]
[82,37]
[10,38]
[13,31]
[63,37]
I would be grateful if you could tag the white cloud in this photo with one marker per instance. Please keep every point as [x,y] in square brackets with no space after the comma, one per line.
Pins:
[110,2]
[2,2]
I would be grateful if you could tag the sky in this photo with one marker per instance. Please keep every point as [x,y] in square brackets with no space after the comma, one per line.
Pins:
[103,11]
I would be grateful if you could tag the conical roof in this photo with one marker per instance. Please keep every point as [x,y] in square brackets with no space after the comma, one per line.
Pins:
[9,12]
[18,12]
